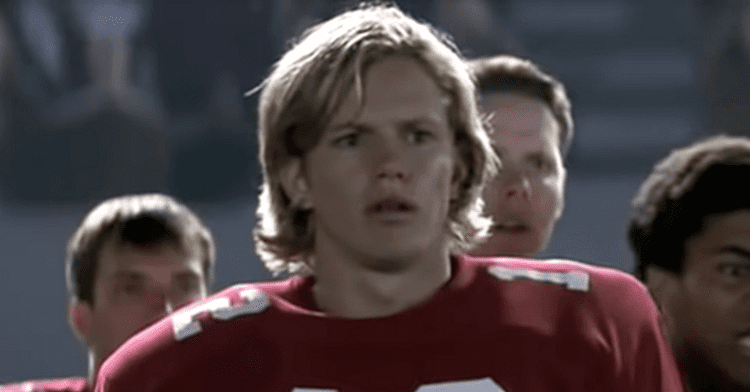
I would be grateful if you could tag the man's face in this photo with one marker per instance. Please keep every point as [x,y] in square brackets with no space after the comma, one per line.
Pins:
[525,199]
[707,307]
[379,179]
[135,287]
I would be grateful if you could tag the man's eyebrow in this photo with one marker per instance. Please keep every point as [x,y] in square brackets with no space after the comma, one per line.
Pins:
[128,275]
[537,154]
[429,121]
[346,125]
[182,275]
[363,126]
[733,249]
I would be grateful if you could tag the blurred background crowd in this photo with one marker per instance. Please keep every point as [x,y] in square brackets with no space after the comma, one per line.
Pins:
[100,98]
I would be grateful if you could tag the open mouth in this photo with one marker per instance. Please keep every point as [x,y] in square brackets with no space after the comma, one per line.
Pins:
[391,205]
[510,227]
[743,342]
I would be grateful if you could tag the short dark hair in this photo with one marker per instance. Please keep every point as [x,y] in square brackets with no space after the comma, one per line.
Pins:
[705,178]
[506,73]
[146,221]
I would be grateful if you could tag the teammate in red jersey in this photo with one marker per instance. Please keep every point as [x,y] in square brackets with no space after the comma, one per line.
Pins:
[133,260]
[691,234]
[374,158]
[532,129]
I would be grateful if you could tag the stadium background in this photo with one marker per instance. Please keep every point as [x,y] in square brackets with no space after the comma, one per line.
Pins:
[104,97]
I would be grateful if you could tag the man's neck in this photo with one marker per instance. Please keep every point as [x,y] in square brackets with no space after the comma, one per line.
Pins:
[701,373]
[354,290]
[94,364]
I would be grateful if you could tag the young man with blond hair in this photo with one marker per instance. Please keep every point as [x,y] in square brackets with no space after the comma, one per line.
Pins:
[374,159]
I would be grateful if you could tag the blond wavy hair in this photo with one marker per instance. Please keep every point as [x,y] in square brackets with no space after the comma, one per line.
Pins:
[307,86]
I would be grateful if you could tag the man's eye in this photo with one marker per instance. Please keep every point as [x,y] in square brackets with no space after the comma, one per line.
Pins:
[347,141]
[132,288]
[735,271]
[541,163]
[419,136]
[187,286]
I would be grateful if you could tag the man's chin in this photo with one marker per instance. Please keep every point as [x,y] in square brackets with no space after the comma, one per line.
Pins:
[506,245]
[705,374]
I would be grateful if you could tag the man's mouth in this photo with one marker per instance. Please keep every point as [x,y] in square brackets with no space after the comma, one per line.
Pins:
[510,227]
[391,205]
[743,342]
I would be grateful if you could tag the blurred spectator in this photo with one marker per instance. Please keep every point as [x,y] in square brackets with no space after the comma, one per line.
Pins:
[68,141]
[205,59]
[479,27]
[120,96]
[725,65]
[5,48]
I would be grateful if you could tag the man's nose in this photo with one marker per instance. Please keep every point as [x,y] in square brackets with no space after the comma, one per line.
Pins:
[161,301]
[169,306]
[389,159]
[514,182]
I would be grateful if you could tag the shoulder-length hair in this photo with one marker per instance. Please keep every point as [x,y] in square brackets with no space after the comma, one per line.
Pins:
[307,86]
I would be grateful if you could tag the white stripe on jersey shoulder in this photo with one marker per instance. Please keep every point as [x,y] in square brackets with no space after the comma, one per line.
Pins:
[482,385]
[572,280]
[185,324]
[313,390]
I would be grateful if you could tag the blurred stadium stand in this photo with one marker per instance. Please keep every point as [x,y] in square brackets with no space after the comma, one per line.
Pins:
[110,97]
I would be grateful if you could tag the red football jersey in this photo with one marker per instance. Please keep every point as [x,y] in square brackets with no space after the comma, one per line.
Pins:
[499,324]
[72,384]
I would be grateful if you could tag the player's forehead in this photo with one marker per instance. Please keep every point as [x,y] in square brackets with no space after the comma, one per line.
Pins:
[724,231]
[524,141]
[123,260]
[516,111]
[398,87]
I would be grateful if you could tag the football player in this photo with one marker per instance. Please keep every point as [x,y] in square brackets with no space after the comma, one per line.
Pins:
[374,157]
[690,231]
[531,130]
[133,260]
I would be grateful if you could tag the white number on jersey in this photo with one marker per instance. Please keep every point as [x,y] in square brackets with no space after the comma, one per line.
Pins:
[313,390]
[185,323]
[482,385]
[573,280]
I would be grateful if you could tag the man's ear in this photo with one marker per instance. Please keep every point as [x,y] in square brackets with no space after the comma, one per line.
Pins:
[661,284]
[295,184]
[79,318]
[561,208]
